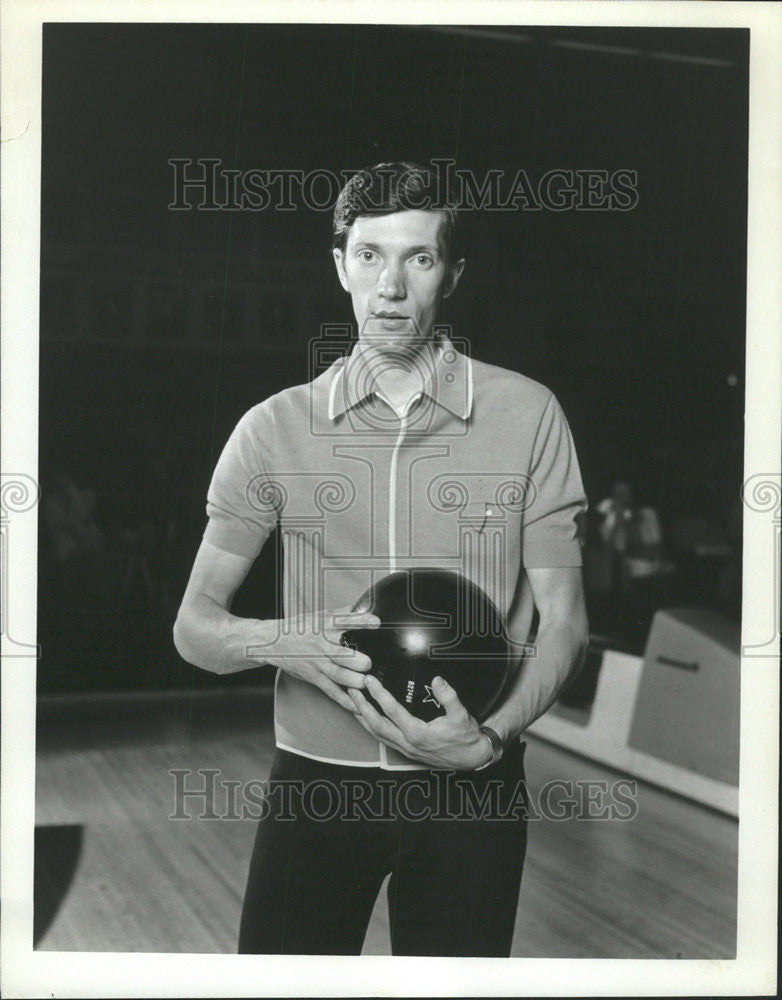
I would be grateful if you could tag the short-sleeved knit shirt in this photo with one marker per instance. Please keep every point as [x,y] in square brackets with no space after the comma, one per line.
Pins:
[478,475]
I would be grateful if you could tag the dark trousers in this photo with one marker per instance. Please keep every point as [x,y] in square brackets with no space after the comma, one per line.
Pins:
[454,843]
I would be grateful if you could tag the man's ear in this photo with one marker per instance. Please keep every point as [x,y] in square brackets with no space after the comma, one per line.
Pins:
[339,260]
[454,273]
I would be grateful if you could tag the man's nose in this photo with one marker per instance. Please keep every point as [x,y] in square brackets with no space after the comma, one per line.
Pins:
[391,283]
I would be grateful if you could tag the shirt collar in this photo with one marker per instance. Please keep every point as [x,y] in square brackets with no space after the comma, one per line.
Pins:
[448,382]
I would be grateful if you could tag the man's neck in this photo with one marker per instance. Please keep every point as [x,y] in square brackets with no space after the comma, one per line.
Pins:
[401,374]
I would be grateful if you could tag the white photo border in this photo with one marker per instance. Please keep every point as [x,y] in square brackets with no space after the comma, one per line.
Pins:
[30,973]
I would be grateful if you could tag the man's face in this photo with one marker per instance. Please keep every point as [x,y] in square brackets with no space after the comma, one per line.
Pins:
[396,269]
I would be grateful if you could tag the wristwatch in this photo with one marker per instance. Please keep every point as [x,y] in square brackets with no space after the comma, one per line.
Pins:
[496,746]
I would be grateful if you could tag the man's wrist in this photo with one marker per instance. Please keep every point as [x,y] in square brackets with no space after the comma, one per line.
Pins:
[252,642]
[507,729]
[495,745]
[487,751]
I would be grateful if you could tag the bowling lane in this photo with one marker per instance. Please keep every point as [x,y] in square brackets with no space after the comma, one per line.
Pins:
[145,881]
[660,884]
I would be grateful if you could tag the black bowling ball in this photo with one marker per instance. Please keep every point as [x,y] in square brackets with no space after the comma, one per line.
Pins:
[434,622]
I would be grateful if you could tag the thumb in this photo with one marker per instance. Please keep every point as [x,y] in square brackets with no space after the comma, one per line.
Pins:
[446,695]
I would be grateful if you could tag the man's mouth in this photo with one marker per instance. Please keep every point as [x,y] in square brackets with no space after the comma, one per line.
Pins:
[389,315]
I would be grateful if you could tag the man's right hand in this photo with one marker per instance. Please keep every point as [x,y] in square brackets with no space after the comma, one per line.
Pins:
[308,647]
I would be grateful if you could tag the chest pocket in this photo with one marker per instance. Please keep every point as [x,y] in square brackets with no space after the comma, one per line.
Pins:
[479,514]
[487,542]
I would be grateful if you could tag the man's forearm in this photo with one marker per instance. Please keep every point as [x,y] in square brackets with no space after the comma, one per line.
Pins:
[558,655]
[210,637]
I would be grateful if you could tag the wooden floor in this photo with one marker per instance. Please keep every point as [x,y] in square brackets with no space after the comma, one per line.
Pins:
[661,885]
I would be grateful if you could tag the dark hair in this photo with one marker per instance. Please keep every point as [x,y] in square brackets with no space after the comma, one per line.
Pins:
[392,187]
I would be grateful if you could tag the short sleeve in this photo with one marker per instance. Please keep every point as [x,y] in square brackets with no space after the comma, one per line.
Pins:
[242,503]
[549,527]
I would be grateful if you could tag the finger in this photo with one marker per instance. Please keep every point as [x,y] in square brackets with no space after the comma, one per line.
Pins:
[344,650]
[346,676]
[380,727]
[336,694]
[347,656]
[324,620]
[345,618]
[447,697]
[367,713]
[343,609]
[376,722]
[411,727]
[360,720]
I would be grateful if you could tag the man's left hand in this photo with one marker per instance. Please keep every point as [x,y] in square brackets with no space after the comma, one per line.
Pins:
[452,740]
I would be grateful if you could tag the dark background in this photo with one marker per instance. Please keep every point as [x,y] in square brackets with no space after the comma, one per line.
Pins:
[160,328]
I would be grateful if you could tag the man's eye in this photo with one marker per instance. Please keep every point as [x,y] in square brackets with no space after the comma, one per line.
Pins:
[423,260]
[366,255]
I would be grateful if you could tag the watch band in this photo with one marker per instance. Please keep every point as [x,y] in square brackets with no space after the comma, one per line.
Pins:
[496,747]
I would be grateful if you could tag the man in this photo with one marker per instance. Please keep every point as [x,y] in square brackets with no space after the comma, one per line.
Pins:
[405,453]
